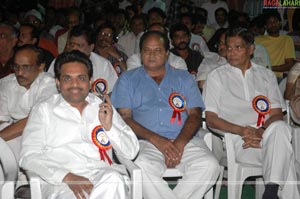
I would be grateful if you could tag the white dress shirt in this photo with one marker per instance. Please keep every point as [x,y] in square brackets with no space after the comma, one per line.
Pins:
[129,43]
[57,140]
[16,101]
[210,62]
[229,94]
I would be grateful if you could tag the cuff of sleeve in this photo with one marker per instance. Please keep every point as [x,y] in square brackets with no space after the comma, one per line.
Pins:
[59,175]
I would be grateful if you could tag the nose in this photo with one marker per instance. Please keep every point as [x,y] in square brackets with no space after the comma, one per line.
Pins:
[19,71]
[74,47]
[74,82]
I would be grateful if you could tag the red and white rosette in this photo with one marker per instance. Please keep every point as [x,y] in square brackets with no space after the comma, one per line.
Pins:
[262,106]
[100,84]
[178,103]
[101,140]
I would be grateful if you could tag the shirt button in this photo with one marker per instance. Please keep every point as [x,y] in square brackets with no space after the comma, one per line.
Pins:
[160,109]
[160,100]
[159,89]
[161,123]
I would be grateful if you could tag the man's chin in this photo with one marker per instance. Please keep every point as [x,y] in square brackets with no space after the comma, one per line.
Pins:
[21,81]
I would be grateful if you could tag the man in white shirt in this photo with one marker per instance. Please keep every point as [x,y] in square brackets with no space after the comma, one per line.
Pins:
[196,42]
[129,41]
[69,138]
[20,91]
[243,98]
[211,7]
[81,39]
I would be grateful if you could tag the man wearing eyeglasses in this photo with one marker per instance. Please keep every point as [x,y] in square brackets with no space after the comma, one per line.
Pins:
[20,91]
[243,98]
[8,40]
[107,48]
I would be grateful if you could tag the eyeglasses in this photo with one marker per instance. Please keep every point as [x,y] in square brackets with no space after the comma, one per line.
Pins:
[25,68]
[104,34]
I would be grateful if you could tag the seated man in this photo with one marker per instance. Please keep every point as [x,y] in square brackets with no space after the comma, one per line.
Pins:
[20,91]
[181,37]
[68,137]
[280,47]
[175,61]
[81,38]
[243,98]
[212,60]
[163,106]
[106,47]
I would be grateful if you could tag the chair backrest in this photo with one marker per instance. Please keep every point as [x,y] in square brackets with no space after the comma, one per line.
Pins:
[8,171]
[282,85]
[8,162]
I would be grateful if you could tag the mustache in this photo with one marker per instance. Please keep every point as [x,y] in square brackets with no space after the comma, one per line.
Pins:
[183,43]
[20,77]
[75,88]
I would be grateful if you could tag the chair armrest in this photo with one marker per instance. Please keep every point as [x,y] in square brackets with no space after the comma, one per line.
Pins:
[217,132]
[135,176]
[35,185]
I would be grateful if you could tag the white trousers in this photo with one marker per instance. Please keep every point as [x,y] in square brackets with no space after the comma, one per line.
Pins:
[199,167]
[107,183]
[276,158]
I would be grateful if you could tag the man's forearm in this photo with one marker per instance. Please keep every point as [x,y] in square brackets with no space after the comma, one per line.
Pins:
[14,130]
[218,123]
[140,131]
[191,126]
[283,67]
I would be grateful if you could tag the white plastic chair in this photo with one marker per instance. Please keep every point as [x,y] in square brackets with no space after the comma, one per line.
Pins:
[237,172]
[282,85]
[133,170]
[8,171]
[295,125]
[175,173]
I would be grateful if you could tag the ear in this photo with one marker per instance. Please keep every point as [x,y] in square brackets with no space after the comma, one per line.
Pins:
[92,46]
[251,49]
[42,67]
[57,84]
[90,85]
[34,40]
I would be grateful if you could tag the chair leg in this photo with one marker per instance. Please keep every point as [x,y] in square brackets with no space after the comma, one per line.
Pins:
[7,191]
[234,187]
[219,183]
[259,188]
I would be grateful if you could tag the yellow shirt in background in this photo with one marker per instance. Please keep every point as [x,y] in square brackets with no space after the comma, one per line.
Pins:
[279,49]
